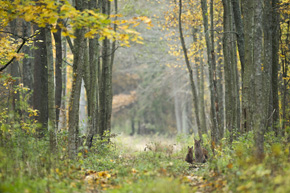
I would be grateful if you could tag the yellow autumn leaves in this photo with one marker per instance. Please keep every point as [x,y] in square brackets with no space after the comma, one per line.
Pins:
[48,12]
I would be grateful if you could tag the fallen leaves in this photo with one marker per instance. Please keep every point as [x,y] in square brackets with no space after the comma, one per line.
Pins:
[99,180]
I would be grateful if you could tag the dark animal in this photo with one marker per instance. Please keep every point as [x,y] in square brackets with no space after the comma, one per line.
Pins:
[189,156]
[201,154]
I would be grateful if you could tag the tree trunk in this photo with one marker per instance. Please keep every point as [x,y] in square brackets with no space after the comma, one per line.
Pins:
[105,82]
[260,112]
[193,87]
[240,32]
[27,71]
[275,67]
[214,132]
[58,70]
[40,81]
[78,64]
[15,73]
[132,126]
[248,76]
[64,82]
[177,107]
[214,77]
[201,91]
[92,90]
[232,101]
[220,89]
[199,65]
[267,61]
[51,91]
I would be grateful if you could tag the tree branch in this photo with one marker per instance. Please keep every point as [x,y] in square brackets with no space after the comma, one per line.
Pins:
[70,43]
[18,50]
[24,40]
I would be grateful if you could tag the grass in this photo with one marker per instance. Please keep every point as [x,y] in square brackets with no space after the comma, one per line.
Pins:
[144,164]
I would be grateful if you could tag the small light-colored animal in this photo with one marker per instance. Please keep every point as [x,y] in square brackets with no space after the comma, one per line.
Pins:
[201,154]
[189,156]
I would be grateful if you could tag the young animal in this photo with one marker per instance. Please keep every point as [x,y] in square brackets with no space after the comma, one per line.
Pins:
[189,156]
[201,154]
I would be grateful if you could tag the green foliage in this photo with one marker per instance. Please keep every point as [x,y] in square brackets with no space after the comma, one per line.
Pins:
[238,166]
[163,185]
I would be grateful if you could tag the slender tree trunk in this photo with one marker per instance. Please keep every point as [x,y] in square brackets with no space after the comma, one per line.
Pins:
[227,47]
[63,116]
[236,83]
[106,81]
[201,91]
[214,77]
[27,72]
[232,101]
[15,72]
[267,61]
[220,89]
[248,76]
[58,70]
[275,66]
[92,92]
[260,113]
[199,65]
[51,91]
[214,131]
[193,87]
[240,32]
[132,126]
[40,81]
[78,64]
[177,107]
[285,69]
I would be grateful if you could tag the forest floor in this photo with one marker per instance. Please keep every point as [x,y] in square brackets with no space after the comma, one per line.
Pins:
[144,164]
[149,164]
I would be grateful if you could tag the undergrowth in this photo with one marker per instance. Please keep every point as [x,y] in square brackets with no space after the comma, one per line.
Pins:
[27,165]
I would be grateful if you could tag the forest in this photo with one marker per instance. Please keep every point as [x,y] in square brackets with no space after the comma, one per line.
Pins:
[144,96]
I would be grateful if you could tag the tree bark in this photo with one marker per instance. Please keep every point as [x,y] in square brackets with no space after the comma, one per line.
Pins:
[275,67]
[27,71]
[248,76]
[201,91]
[193,87]
[220,89]
[15,73]
[40,81]
[260,113]
[177,107]
[79,51]
[267,61]
[214,131]
[51,91]
[58,70]
[232,101]
[105,82]
[240,32]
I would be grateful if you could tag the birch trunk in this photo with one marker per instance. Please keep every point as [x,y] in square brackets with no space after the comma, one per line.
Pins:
[51,91]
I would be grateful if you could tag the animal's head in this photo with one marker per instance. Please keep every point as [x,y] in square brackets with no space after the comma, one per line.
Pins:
[197,143]
[190,149]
